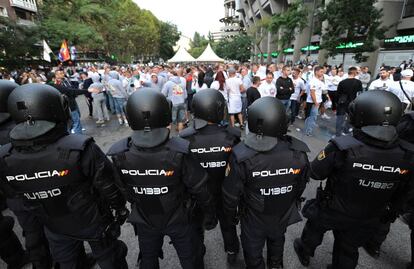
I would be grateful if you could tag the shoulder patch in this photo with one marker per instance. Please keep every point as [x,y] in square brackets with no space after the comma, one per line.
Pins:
[119,147]
[241,152]
[346,142]
[298,145]
[179,144]
[5,149]
[74,142]
[187,132]
[234,131]
[404,144]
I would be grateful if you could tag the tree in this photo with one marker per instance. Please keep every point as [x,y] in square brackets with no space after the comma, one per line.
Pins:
[237,48]
[118,27]
[18,43]
[256,33]
[289,23]
[350,21]
[169,35]
[197,45]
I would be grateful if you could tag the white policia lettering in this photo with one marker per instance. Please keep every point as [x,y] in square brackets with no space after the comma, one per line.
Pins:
[372,167]
[278,172]
[151,172]
[375,184]
[150,191]
[213,164]
[211,150]
[38,175]
[276,191]
[42,194]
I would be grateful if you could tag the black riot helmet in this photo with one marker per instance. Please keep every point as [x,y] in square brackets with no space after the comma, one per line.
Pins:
[375,108]
[267,117]
[148,113]
[405,127]
[6,87]
[208,106]
[36,109]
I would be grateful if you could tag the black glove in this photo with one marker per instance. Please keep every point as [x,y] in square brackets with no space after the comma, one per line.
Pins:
[121,215]
[210,219]
[389,217]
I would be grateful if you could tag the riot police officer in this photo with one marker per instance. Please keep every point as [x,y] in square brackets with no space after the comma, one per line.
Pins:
[368,175]
[11,250]
[65,180]
[405,131]
[268,173]
[159,175]
[211,145]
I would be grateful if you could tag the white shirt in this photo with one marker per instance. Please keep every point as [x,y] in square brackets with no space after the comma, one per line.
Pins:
[332,82]
[317,85]
[380,84]
[233,86]
[408,87]
[267,89]
[299,86]
[216,85]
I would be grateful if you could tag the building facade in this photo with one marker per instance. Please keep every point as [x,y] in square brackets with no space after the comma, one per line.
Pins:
[398,45]
[21,11]
[231,20]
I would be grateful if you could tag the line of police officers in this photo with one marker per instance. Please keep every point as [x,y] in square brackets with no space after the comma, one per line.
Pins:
[64,191]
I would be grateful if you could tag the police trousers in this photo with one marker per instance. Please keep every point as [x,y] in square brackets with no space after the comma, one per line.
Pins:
[228,230]
[11,251]
[69,252]
[183,237]
[36,243]
[349,234]
[254,234]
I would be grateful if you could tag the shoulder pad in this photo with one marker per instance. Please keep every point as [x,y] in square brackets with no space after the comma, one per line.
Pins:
[346,142]
[243,152]
[179,144]
[234,131]
[188,132]
[404,144]
[74,141]
[296,144]
[119,147]
[5,149]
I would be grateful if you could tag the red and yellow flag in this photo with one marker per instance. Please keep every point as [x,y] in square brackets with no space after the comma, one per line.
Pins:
[64,54]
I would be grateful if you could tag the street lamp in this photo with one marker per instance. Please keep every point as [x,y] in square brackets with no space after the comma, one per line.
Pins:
[311,27]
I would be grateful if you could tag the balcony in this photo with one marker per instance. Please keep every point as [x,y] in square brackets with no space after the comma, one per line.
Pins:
[27,23]
[29,5]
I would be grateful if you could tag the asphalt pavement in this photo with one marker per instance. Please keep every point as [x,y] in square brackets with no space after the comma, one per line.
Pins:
[395,252]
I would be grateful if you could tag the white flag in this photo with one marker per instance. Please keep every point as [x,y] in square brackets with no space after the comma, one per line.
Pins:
[46,52]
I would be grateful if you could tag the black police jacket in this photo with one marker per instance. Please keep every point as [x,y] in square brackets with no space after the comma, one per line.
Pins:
[364,179]
[67,184]
[5,129]
[158,181]
[269,183]
[212,146]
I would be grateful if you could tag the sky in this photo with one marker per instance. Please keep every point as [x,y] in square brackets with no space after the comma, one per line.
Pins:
[190,16]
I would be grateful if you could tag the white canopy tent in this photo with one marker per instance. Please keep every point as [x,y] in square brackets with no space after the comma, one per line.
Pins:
[209,56]
[182,56]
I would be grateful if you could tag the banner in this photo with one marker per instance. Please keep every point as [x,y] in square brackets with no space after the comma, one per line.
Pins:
[46,52]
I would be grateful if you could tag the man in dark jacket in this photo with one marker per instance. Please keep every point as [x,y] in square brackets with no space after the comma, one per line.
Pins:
[285,87]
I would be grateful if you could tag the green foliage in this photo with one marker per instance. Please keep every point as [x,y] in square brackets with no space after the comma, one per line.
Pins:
[288,23]
[118,27]
[352,21]
[198,44]
[237,48]
[169,35]
[17,43]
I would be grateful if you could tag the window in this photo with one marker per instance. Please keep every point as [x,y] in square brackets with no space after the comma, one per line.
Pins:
[409,9]
[3,12]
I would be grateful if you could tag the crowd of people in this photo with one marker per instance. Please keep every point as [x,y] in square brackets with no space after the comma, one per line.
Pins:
[307,91]
[68,191]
